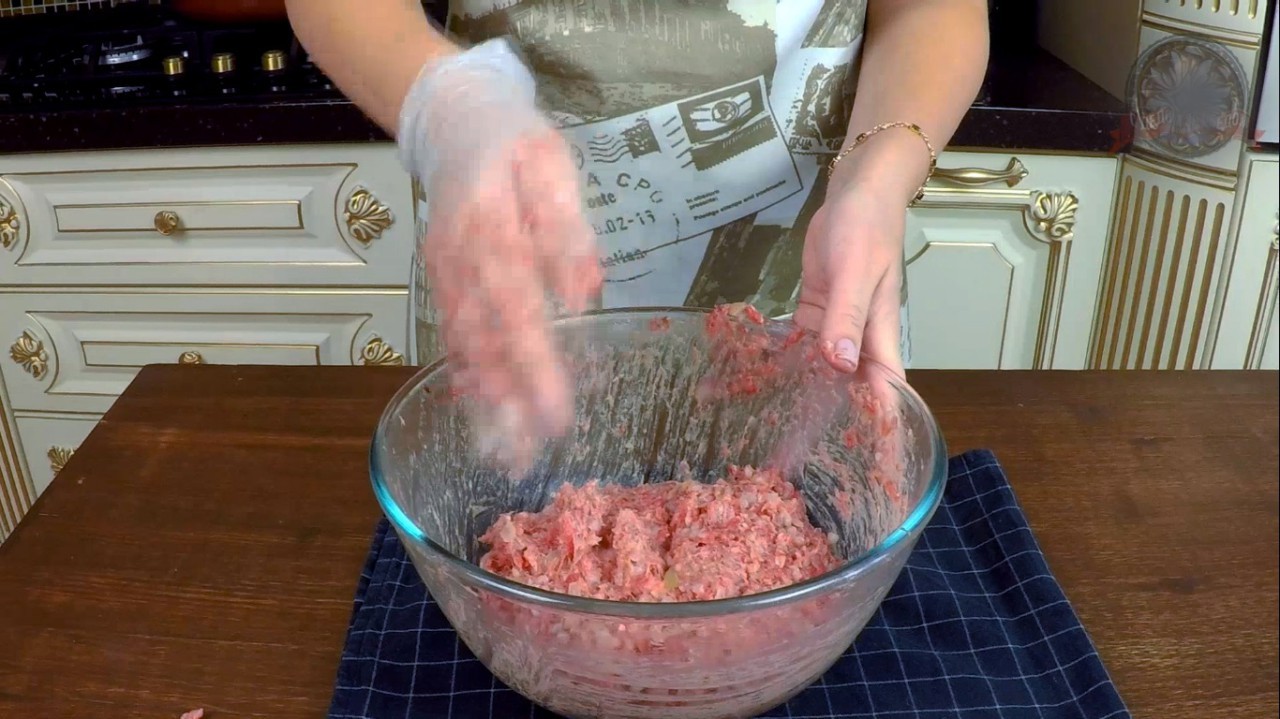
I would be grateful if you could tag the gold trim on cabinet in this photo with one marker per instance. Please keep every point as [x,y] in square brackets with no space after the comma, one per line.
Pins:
[1181,171]
[371,290]
[350,166]
[227,204]
[190,357]
[366,216]
[85,344]
[185,313]
[58,458]
[187,263]
[1103,320]
[1146,328]
[1011,175]
[1184,300]
[1166,308]
[1038,152]
[1267,300]
[1240,39]
[377,352]
[29,353]
[1176,348]
[1049,218]
[17,491]
[930,244]
[10,223]
[1153,292]
[1008,299]
[70,414]
[11,218]
[1126,273]
[1194,351]
[1141,251]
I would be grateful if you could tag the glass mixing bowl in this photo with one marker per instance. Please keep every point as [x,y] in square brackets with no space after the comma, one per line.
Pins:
[665,393]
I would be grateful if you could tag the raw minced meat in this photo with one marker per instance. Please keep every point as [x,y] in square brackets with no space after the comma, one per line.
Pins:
[680,541]
[674,541]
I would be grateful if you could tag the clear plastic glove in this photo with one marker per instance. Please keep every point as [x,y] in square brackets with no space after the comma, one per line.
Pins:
[506,237]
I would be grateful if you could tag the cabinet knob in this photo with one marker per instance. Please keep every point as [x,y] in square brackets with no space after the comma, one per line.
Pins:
[191,357]
[167,222]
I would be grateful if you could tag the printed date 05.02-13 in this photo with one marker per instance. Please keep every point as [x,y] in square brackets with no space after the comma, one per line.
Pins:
[622,223]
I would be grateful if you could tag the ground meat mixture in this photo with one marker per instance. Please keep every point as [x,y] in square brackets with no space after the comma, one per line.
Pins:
[674,541]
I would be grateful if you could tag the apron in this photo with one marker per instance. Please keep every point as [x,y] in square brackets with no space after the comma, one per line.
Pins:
[701,130]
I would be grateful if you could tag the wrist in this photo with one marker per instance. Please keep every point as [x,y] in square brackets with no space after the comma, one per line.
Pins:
[891,164]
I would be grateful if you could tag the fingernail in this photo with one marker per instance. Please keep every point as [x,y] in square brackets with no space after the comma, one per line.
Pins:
[847,354]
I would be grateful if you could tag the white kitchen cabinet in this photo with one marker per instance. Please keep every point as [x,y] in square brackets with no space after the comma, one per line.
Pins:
[1248,328]
[1165,258]
[76,352]
[1003,257]
[1238,19]
[334,215]
[1225,158]
[17,491]
[49,440]
[113,260]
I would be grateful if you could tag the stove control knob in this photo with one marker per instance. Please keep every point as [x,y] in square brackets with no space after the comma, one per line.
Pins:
[223,63]
[174,65]
[273,61]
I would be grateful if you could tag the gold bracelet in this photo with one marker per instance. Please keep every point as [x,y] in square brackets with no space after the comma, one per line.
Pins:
[862,136]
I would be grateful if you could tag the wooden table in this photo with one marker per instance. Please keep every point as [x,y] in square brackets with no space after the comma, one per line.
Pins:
[202,546]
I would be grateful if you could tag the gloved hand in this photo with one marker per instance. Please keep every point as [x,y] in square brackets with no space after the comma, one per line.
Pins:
[506,235]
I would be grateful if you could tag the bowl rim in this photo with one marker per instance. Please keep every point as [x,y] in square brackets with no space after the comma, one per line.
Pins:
[478,577]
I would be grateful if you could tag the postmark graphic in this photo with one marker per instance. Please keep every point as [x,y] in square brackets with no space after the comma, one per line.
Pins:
[726,123]
[1187,97]
[633,142]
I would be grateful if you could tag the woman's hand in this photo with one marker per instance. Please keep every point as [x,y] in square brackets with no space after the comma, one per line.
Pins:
[922,62]
[851,287]
[506,236]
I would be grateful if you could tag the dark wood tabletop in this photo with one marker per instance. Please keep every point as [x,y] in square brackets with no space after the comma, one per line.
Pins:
[201,548]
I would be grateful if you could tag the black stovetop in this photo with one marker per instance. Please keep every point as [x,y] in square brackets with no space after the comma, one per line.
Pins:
[116,57]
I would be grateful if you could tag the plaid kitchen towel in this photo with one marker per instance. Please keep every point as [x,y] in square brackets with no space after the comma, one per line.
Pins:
[976,627]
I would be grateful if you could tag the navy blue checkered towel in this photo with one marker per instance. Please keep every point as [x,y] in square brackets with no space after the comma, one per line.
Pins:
[975,628]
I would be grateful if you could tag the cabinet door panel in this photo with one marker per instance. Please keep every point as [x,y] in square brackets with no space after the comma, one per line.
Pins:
[76,352]
[1248,323]
[961,320]
[1003,255]
[310,215]
[49,440]
[1227,17]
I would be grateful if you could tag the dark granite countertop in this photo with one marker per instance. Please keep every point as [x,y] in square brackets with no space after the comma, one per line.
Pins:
[1030,101]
